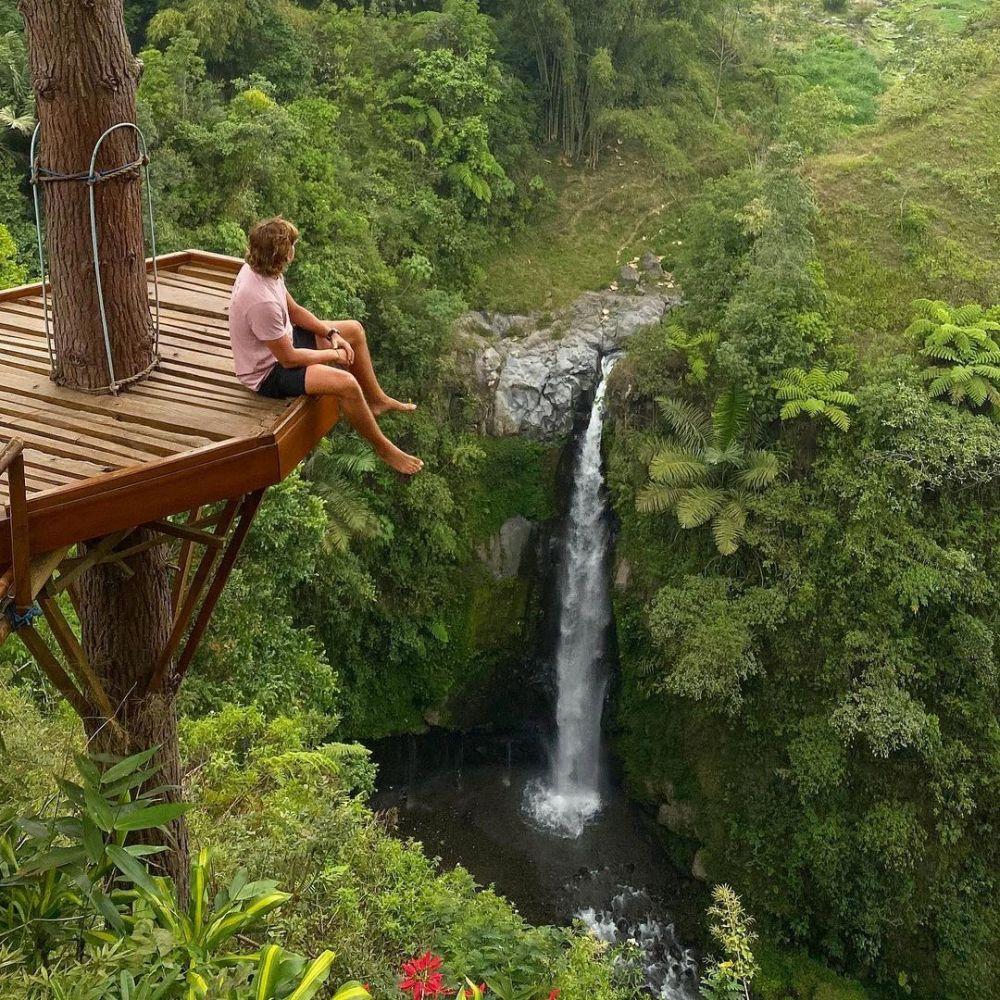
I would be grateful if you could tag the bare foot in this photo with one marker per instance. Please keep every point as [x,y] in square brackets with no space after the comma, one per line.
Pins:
[388,404]
[399,460]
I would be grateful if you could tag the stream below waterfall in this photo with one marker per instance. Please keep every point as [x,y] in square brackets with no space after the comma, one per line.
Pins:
[546,821]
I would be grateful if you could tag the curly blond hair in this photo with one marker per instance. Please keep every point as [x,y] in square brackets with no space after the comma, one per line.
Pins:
[271,243]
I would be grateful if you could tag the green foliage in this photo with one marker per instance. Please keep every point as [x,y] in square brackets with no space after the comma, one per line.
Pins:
[255,653]
[730,926]
[748,261]
[11,273]
[816,393]
[708,636]
[708,476]
[57,871]
[962,351]
[856,644]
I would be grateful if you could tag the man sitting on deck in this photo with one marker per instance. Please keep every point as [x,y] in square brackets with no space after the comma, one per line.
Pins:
[281,349]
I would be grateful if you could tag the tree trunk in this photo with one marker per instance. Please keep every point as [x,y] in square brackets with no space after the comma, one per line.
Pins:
[125,622]
[85,76]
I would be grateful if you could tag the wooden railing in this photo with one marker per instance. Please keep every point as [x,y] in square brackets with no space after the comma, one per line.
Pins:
[16,580]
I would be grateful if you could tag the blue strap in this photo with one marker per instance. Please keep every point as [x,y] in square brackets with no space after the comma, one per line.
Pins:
[19,620]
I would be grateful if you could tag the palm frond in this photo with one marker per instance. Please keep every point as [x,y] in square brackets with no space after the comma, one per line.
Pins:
[730,415]
[729,527]
[676,467]
[761,469]
[686,420]
[654,498]
[697,505]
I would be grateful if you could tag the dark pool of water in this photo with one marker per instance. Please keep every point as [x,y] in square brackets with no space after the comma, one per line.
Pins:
[463,798]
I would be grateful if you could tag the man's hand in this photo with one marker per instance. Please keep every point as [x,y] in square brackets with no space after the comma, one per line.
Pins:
[338,342]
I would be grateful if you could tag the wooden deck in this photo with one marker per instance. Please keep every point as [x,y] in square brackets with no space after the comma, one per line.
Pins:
[189,435]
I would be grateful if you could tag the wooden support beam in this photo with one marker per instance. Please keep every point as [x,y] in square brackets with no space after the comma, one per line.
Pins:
[42,567]
[248,510]
[190,601]
[12,462]
[80,565]
[184,562]
[52,669]
[196,535]
[76,658]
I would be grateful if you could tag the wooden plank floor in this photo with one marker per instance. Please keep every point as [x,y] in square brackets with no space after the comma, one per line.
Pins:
[190,413]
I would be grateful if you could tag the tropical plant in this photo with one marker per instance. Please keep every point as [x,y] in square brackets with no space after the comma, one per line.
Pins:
[962,350]
[71,887]
[17,113]
[816,393]
[704,472]
[335,469]
[57,873]
[731,928]
[697,349]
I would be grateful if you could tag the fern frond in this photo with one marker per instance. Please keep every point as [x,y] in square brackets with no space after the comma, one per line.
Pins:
[791,410]
[842,398]
[837,417]
[968,315]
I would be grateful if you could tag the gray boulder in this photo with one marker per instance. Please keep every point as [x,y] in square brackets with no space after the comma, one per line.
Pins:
[650,264]
[628,275]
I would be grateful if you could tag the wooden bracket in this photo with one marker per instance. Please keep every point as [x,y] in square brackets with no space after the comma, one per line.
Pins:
[87,696]
[241,511]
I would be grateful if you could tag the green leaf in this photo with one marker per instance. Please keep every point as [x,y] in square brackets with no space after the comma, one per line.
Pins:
[674,467]
[761,469]
[151,817]
[686,421]
[127,766]
[728,527]
[133,869]
[315,975]
[93,840]
[57,857]
[267,971]
[655,499]
[729,417]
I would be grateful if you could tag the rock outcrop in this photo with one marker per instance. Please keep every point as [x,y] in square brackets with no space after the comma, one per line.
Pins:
[533,370]
[506,553]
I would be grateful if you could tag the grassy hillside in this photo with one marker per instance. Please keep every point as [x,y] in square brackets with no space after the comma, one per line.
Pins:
[910,207]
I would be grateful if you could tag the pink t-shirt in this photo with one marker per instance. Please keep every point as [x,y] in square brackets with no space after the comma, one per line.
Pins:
[258,312]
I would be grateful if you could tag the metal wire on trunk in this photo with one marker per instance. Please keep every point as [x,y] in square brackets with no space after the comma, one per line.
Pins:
[92,177]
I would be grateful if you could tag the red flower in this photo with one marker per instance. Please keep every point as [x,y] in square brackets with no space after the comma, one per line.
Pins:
[554,994]
[423,978]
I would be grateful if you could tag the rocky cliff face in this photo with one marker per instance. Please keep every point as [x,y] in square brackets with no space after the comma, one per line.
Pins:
[533,370]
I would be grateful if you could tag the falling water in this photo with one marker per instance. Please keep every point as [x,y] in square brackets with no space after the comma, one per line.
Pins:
[570,795]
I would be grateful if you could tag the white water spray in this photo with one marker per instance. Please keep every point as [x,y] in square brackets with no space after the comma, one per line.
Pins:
[571,794]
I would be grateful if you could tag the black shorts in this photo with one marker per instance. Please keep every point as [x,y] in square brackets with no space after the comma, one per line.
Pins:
[282,383]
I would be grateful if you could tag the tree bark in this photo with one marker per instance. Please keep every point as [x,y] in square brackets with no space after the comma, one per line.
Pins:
[125,621]
[85,77]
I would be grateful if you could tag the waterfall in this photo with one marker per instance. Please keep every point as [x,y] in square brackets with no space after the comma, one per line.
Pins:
[571,793]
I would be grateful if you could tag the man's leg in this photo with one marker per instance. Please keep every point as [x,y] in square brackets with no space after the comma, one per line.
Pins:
[322,380]
[363,370]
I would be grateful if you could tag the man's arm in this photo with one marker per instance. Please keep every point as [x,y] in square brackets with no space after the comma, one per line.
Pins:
[289,356]
[300,316]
